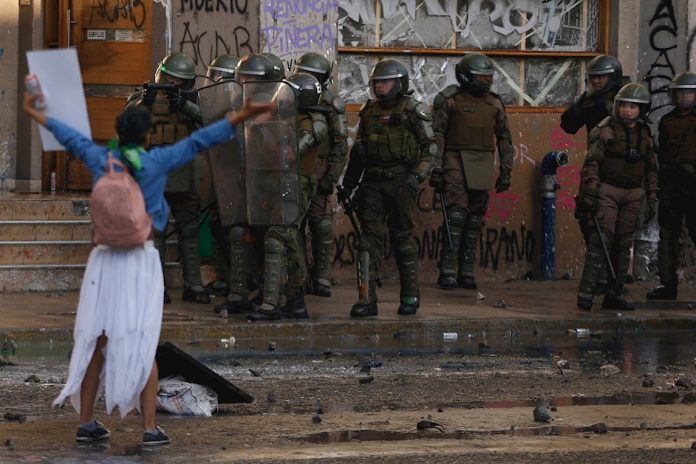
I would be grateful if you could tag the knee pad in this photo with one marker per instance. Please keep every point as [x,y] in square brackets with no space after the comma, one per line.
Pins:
[457,218]
[273,245]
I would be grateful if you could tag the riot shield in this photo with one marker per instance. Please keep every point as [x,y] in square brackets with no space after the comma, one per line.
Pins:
[272,168]
[226,160]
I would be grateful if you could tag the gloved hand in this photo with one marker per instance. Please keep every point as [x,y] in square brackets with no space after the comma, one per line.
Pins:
[502,183]
[412,183]
[650,209]
[325,186]
[148,96]
[437,180]
[590,199]
[176,100]
[343,193]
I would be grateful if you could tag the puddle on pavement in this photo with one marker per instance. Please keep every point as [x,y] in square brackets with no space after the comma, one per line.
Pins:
[633,351]
[344,436]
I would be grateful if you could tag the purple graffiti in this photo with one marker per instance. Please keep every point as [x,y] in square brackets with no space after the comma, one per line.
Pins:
[290,37]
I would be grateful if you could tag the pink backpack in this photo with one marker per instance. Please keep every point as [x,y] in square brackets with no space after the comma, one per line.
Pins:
[117,206]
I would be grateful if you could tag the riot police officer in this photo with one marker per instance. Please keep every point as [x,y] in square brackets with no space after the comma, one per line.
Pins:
[176,114]
[394,152]
[677,157]
[278,72]
[320,215]
[465,120]
[604,77]
[620,167]
[282,250]
[250,68]
[221,68]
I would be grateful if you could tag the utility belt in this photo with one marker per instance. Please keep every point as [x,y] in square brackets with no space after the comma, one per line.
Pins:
[386,172]
[621,183]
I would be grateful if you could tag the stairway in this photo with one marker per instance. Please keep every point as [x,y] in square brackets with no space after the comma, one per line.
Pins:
[45,241]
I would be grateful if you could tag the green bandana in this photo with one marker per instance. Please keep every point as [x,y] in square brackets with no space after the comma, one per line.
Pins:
[131,154]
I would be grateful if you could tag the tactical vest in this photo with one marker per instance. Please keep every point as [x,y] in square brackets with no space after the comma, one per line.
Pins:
[169,128]
[624,162]
[471,124]
[390,140]
[679,139]
[310,159]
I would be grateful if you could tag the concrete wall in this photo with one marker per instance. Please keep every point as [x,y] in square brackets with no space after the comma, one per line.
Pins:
[9,31]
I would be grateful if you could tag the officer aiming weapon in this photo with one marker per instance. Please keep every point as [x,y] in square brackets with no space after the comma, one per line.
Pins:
[610,266]
[437,182]
[175,94]
[363,268]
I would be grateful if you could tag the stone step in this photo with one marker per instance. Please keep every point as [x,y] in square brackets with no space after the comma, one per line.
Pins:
[22,230]
[54,252]
[42,208]
[64,277]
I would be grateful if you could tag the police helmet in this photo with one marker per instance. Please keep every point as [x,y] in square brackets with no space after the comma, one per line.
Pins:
[390,69]
[307,89]
[474,64]
[316,65]
[222,67]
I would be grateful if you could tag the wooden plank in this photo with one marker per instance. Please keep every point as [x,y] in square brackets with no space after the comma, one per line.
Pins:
[173,361]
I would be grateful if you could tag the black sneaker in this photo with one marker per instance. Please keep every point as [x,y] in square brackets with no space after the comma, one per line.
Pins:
[99,433]
[158,437]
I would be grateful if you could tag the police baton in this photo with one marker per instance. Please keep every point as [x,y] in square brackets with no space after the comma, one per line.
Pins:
[612,272]
[436,182]
[363,261]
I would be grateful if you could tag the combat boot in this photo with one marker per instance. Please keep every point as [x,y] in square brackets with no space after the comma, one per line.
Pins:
[320,288]
[663,292]
[612,301]
[468,282]
[234,304]
[296,308]
[585,303]
[366,308]
[265,312]
[196,294]
[409,305]
[447,282]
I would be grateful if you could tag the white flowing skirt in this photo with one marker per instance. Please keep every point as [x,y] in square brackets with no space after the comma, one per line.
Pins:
[121,296]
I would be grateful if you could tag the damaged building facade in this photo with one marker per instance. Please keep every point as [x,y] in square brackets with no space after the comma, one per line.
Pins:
[540,50]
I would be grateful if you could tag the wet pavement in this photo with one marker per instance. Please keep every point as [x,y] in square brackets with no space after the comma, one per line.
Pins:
[621,386]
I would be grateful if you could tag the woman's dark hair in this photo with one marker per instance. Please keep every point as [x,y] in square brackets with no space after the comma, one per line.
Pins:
[133,124]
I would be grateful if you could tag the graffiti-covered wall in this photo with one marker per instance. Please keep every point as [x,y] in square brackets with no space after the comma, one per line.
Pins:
[290,29]
[207,29]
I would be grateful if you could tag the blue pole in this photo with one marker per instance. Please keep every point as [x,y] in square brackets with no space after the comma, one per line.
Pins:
[549,185]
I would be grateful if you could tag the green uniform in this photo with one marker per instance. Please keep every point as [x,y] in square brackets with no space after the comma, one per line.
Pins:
[620,166]
[285,260]
[180,190]
[467,129]
[394,151]
[677,157]
[321,209]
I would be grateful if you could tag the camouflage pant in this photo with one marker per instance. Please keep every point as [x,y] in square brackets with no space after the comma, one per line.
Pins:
[384,202]
[465,211]
[185,207]
[320,220]
[618,212]
[677,196]
[285,260]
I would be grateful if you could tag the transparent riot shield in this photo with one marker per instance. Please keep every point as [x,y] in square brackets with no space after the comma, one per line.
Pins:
[272,168]
[226,160]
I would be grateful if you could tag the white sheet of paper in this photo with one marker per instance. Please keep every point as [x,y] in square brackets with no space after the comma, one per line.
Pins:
[60,79]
